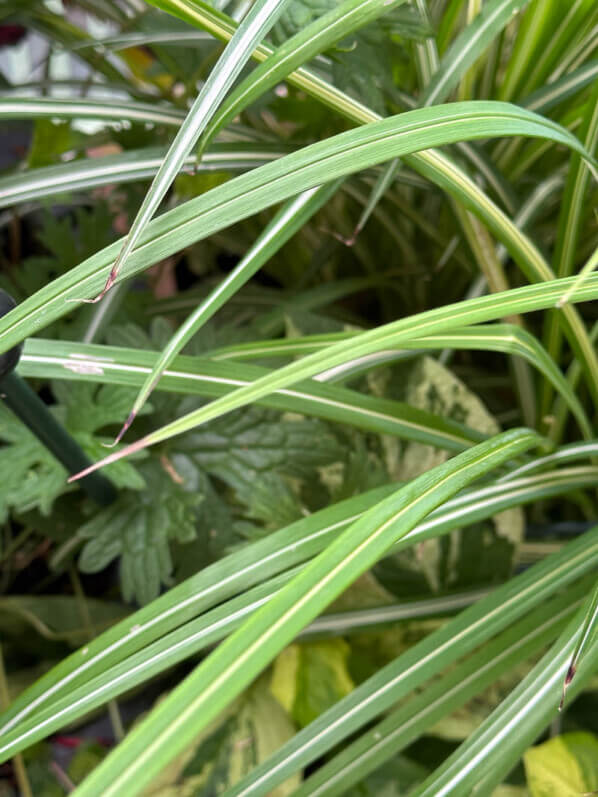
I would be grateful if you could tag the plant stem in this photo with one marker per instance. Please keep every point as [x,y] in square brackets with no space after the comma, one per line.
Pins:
[16,543]
[19,766]
[113,712]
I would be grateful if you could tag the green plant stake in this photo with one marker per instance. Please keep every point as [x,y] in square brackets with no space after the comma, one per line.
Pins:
[26,405]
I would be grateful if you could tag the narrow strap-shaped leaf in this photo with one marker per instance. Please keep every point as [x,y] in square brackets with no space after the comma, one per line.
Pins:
[390,335]
[589,267]
[578,179]
[569,228]
[524,162]
[111,664]
[582,45]
[426,53]
[87,173]
[440,649]
[385,179]
[122,41]
[64,108]
[506,338]
[278,347]
[559,90]
[573,375]
[245,195]
[588,630]
[256,23]
[427,58]
[441,697]
[575,15]
[226,672]
[468,47]
[492,176]
[447,23]
[318,36]
[199,376]
[530,33]
[495,747]
[485,251]
[287,221]
[571,453]
[532,206]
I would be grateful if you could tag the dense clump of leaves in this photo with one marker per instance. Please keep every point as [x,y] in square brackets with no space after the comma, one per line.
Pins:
[364,543]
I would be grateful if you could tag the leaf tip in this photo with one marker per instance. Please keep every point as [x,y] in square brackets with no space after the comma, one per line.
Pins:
[124,452]
[125,427]
[350,241]
[568,678]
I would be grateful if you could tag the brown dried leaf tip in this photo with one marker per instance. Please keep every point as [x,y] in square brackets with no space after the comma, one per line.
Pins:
[568,678]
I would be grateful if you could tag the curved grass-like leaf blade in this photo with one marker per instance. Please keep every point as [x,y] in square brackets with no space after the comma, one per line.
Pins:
[88,173]
[226,672]
[442,697]
[199,376]
[569,227]
[440,649]
[492,750]
[165,634]
[65,108]
[245,195]
[318,36]
[395,334]
[468,47]
[588,630]
[255,25]
[287,221]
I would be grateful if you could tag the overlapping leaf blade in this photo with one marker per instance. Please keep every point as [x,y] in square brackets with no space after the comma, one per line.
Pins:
[438,650]
[340,155]
[257,22]
[492,751]
[129,166]
[290,218]
[211,379]
[237,661]
[468,46]
[440,698]
[315,38]
[394,335]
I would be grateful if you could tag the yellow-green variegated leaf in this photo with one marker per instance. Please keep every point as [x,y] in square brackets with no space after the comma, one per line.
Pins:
[566,766]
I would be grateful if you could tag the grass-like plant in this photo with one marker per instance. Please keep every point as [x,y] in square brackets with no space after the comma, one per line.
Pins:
[395,207]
